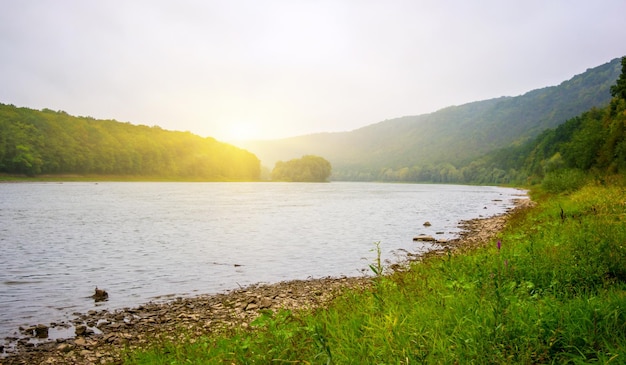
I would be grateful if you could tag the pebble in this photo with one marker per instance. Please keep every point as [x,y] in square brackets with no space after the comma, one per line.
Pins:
[80,342]
[65,347]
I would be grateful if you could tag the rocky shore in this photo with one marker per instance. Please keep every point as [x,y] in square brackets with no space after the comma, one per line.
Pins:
[98,337]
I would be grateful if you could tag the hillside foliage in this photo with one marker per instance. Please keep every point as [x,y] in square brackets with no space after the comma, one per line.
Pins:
[36,142]
[306,169]
[591,144]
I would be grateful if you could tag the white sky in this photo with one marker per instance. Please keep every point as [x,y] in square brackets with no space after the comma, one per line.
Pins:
[236,69]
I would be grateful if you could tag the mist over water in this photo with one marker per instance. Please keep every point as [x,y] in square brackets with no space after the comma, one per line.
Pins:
[153,241]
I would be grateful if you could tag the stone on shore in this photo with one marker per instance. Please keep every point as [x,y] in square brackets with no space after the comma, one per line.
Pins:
[100,295]
[41,331]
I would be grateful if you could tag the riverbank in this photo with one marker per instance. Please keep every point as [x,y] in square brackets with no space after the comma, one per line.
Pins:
[100,336]
[550,288]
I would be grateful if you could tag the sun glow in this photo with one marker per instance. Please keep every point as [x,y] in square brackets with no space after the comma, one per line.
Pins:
[241,131]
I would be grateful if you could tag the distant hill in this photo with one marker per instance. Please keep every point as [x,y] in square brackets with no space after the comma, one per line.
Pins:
[451,136]
[34,142]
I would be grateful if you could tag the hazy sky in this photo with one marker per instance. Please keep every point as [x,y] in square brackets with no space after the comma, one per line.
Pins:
[276,68]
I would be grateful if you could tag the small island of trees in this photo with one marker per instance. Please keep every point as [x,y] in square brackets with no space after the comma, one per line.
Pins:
[309,168]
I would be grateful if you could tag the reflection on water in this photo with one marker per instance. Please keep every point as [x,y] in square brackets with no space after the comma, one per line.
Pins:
[153,241]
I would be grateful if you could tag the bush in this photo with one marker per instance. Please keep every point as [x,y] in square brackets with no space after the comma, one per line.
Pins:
[564,181]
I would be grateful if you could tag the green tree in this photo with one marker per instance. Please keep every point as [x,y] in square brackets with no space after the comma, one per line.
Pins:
[25,161]
[554,163]
[619,89]
[309,168]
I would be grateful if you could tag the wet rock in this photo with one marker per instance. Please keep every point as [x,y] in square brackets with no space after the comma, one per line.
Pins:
[28,331]
[23,342]
[81,330]
[38,331]
[100,295]
[424,238]
[427,224]
[41,331]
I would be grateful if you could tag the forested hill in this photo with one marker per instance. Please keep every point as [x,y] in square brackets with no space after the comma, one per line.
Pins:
[36,142]
[590,145]
[411,148]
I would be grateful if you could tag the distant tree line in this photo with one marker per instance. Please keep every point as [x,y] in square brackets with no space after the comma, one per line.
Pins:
[306,169]
[36,142]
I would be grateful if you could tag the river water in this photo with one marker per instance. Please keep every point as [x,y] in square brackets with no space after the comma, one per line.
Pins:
[153,241]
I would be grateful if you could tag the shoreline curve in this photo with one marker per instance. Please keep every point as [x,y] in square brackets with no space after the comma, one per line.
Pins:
[98,336]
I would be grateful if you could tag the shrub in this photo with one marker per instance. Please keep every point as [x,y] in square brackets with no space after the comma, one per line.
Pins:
[563,181]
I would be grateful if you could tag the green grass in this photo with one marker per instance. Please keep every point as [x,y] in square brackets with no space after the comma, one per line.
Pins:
[554,292]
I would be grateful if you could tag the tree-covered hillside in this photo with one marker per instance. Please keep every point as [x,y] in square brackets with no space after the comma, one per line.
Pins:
[590,144]
[433,147]
[36,142]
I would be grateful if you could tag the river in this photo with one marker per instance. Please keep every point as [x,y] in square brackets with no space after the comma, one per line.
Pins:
[146,242]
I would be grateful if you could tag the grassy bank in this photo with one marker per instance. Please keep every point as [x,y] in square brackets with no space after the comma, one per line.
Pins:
[553,290]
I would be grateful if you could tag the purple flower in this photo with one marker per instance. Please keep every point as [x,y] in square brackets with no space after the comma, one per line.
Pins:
[499,245]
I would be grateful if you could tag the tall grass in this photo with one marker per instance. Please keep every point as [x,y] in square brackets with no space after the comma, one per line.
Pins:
[553,290]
